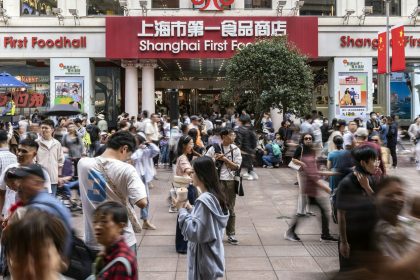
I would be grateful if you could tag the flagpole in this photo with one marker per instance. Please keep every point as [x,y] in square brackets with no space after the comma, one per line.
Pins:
[388,70]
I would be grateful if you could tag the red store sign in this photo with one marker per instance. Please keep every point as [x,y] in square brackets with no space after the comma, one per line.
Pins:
[202,37]
[352,42]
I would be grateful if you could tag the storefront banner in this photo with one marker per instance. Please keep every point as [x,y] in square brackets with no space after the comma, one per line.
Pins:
[359,43]
[25,99]
[203,37]
[69,90]
[353,87]
[353,95]
[401,95]
[51,44]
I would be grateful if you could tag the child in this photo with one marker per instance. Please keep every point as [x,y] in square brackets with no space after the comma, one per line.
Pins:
[143,162]
[117,261]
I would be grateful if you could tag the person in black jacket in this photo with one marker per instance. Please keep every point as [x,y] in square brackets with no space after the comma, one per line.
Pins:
[246,140]
[392,138]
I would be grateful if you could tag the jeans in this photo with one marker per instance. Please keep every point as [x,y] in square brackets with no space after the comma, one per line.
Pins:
[164,154]
[267,160]
[321,203]
[228,187]
[69,186]
[93,148]
[144,212]
[54,189]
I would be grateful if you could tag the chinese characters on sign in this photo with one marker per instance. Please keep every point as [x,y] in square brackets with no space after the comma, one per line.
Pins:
[25,100]
[204,37]
[70,69]
[227,28]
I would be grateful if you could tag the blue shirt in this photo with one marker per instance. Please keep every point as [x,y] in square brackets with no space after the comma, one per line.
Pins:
[341,161]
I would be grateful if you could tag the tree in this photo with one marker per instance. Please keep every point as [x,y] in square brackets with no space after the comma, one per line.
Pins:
[269,74]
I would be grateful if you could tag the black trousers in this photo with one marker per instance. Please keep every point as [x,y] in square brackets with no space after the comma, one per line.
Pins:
[393,149]
[324,215]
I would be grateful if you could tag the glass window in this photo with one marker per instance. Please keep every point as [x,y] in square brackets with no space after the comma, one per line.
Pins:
[379,7]
[104,7]
[258,4]
[165,4]
[37,8]
[318,8]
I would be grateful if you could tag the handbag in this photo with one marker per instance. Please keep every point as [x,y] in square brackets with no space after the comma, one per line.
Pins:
[130,210]
[239,188]
[295,166]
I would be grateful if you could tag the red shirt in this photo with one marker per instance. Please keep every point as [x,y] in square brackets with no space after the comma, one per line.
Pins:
[118,270]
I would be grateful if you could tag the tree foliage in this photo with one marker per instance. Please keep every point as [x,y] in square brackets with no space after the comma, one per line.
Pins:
[269,74]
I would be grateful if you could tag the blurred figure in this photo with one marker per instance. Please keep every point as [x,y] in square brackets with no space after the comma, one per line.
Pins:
[396,238]
[74,144]
[340,162]
[203,225]
[356,210]
[385,152]
[311,185]
[414,133]
[40,252]
[392,139]
[246,140]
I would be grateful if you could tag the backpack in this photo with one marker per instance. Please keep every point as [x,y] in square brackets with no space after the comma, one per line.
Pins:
[218,149]
[276,149]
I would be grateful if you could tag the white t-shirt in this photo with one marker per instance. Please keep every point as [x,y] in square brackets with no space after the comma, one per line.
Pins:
[225,173]
[10,197]
[94,190]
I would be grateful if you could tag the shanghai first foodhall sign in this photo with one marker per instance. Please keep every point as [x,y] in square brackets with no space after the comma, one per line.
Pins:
[203,37]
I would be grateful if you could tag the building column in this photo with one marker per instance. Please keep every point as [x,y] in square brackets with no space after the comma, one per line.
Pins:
[131,87]
[148,85]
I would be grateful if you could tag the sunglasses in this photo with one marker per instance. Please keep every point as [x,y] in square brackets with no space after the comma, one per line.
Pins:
[375,140]
[307,138]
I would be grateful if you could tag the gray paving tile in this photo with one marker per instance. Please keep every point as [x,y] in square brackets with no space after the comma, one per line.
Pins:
[157,252]
[243,250]
[157,275]
[243,275]
[293,275]
[158,240]
[248,264]
[304,264]
[328,264]
[158,264]
[287,251]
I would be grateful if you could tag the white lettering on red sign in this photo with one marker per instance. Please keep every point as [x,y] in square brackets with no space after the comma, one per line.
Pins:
[227,28]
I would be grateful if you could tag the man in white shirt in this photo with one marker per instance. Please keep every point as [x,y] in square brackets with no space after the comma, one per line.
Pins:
[348,137]
[109,177]
[27,151]
[228,160]
[151,129]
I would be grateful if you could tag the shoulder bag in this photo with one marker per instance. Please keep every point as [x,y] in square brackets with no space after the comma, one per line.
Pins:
[295,166]
[122,260]
[130,210]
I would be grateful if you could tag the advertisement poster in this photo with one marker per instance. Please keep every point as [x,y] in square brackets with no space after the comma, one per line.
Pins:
[401,95]
[352,95]
[69,90]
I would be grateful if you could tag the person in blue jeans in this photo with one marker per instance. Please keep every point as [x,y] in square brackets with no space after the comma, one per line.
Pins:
[271,157]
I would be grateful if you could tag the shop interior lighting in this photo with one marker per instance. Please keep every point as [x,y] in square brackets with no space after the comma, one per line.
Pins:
[296,8]
[280,6]
[414,17]
[3,15]
[75,15]
[367,10]
[58,13]
[347,16]
[143,6]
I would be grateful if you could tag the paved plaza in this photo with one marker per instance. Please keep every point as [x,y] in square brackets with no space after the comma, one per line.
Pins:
[263,215]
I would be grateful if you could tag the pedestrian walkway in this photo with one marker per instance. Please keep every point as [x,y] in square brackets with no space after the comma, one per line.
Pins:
[263,215]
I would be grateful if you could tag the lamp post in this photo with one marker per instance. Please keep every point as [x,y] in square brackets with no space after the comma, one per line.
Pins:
[388,70]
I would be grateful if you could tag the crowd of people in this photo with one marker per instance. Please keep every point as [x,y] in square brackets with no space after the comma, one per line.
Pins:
[52,167]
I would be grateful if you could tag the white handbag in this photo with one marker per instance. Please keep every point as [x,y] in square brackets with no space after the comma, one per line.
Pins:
[295,166]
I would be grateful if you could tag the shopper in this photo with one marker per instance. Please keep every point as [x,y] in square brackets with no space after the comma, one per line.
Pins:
[74,144]
[116,261]
[203,225]
[228,161]
[246,140]
[50,153]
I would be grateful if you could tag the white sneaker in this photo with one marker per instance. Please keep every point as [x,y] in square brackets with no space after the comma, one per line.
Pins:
[250,178]
[246,175]
[254,175]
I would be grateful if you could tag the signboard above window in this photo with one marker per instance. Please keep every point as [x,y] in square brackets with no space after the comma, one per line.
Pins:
[37,7]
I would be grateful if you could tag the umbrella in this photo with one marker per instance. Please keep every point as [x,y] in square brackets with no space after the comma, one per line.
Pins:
[7,80]
[62,110]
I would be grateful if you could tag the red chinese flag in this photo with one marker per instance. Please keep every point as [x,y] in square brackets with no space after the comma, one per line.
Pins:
[382,53]
[398,49]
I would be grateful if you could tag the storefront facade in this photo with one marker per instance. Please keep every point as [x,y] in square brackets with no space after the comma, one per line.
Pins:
[148,55]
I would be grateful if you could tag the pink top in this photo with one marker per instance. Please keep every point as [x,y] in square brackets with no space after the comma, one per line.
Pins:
[182,164]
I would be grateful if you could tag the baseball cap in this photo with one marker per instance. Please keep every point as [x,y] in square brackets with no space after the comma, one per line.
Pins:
[362,132]
[32,169]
